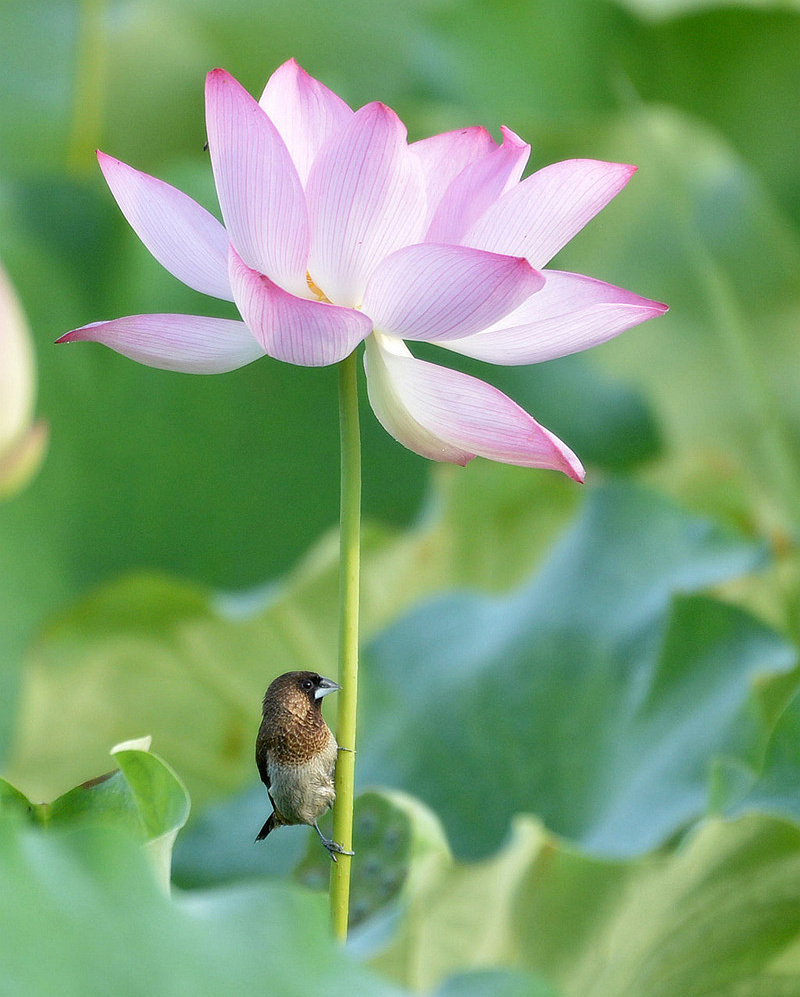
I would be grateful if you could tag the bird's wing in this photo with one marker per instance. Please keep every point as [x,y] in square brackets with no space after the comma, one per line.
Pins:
[263,768]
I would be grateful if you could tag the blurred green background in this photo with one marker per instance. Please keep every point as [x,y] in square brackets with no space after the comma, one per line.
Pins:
[618,661]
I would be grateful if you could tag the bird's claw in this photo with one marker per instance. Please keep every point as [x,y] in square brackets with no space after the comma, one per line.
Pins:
[334,848]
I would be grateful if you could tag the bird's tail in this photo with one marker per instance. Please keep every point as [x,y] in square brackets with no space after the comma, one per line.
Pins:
[269,825]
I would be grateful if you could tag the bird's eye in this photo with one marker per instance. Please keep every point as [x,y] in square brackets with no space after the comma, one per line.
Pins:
[307,684]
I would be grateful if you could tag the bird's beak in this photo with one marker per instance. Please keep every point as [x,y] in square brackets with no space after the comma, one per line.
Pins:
[326,686]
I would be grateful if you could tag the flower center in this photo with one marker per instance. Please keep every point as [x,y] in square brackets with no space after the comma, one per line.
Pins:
[320,295]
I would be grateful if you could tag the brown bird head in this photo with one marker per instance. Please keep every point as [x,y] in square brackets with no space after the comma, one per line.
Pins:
[297,693]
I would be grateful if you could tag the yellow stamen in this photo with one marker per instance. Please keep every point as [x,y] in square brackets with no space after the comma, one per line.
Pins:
[320,295]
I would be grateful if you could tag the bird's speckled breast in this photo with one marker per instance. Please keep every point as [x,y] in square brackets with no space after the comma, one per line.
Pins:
[303,788]
[298,740]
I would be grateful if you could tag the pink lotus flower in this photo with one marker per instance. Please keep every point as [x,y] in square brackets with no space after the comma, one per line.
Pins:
[337,231]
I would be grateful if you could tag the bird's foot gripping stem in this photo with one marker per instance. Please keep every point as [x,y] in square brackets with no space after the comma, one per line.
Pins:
[334,848]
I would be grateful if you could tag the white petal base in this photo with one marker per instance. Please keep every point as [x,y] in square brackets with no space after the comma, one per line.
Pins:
[292,329]
[446,415]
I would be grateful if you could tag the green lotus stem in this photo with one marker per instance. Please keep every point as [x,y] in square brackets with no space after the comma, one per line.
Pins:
[349,571]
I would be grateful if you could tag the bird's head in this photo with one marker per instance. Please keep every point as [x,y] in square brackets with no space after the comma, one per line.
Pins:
[298,692]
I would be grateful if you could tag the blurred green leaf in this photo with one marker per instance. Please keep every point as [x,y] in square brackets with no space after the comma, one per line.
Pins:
[13,802]
[660,10]
[143,796]
[718,915]
[527,61]
[597,695]
[403,857]
[398,841]
[38,49]
[771,787]
[161,799]
[87,914]
[731,65]
[495,983]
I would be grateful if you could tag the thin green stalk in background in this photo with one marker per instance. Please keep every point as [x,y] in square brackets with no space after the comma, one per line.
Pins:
[349,571]
[90,78]
[769,429]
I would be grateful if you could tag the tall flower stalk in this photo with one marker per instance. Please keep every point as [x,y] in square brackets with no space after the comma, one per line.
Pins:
[349,578]
[337,231]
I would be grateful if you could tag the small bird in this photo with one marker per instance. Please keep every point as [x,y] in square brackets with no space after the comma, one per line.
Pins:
[296,753]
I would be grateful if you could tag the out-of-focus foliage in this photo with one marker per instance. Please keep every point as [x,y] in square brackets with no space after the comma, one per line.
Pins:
[88,918]
[595,694]
[717,915]
[533,649]
[143,796]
